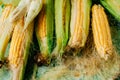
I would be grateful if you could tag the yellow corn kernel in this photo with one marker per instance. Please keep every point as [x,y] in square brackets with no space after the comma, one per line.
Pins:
[17,44]
[101,32]
[4,16]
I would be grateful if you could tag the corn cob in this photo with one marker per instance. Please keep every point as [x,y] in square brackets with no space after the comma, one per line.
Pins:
[27,8]
[101,32]
[62,22]
[5,30]
[79,26]
[19,49]
[113,6]
[45,29]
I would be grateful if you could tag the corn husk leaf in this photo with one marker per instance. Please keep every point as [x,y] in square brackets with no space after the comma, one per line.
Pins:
[113,6]
[62,25]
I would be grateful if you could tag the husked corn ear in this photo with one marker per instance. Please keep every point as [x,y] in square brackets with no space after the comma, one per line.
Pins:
[45,28]
[79,26]
[5,30]
[101,32]
[62,23]
[4,16]
[19,49]
[17,45]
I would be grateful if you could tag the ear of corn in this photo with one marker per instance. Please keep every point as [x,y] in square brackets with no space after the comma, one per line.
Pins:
[113,6]
[79,26]
[101,32]
[45,28]
[5,30]
[62,22]
[19,49]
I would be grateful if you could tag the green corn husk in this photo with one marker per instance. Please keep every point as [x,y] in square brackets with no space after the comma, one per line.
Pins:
[79,26]
[45,30]
[5,30]
[113,6]
[62,23]
[19,50]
